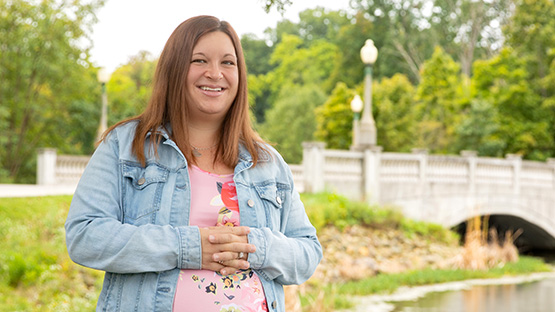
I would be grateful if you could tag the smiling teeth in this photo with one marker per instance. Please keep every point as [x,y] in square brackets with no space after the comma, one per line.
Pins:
[211,89]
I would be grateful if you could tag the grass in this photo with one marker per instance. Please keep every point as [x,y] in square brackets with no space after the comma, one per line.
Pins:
[328,209]
[36,273]
[391,282]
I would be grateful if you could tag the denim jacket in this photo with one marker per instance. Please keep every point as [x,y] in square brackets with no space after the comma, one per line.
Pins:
[133,222]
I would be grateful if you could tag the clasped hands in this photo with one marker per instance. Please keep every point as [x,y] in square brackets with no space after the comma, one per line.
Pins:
[225,249]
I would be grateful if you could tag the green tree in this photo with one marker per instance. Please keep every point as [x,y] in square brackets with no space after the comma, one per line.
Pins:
[45,77]
[394,112]
[291,121]
[440,101]
[257,54]
[406,32]
[523,122]
[479,130]
[294,65]
[530,35]
[301,66]
[129,88]
[335,119]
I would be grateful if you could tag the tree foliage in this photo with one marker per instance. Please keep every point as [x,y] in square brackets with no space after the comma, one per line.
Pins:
[407,31]
[439,97]
[335,118]
[45,78]
[291,121]
[522,122]
[129,88]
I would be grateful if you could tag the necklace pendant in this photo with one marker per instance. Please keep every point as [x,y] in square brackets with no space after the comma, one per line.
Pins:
[196,153]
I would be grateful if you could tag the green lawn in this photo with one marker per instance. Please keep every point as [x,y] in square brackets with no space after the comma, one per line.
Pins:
[36,273]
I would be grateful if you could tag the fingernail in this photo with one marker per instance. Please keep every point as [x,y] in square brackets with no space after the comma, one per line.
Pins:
[216,257]
[211,238]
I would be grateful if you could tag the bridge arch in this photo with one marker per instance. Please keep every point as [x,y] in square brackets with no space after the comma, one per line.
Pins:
[534,216]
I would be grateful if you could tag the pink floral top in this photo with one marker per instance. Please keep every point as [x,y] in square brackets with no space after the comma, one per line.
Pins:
[214,202]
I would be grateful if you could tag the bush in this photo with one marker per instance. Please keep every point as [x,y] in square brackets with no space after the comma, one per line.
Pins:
[329,209]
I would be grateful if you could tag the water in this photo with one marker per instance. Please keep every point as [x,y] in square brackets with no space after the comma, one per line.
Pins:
[538,296]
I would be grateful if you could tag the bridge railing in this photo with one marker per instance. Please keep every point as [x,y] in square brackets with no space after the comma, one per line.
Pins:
[382,176]
[372,174]
[59,169]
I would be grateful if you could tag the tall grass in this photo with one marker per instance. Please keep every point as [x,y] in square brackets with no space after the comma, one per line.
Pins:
[482,248]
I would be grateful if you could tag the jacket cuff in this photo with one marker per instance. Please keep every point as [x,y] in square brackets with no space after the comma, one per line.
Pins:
[190,248]
[257,258]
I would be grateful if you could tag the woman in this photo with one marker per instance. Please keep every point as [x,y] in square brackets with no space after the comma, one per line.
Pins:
[184,206]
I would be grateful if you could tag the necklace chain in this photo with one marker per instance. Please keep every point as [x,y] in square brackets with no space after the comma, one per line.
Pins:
[203,148]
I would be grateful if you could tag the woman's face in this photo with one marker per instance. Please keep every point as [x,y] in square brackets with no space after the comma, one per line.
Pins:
[213,77]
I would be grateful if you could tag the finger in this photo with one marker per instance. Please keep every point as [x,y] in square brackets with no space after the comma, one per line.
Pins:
[232,251]
[229,234]
[235,230]
[229,256]
[233,266]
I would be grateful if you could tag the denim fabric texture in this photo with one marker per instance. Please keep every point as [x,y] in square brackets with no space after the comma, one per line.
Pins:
[133,223]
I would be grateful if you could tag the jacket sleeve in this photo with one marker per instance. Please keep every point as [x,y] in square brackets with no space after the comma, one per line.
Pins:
[97,238]
[291,255]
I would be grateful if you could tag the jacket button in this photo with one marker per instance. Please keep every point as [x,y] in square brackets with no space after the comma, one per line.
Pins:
[278,199]
[141,181]
[250,202]
[274,304]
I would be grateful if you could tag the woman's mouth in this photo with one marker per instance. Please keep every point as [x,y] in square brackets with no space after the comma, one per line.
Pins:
[211,89]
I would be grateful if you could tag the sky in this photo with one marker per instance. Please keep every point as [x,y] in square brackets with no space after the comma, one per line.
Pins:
[126,27]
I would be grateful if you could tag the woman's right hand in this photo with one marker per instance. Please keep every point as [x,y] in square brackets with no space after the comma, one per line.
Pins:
[222,247]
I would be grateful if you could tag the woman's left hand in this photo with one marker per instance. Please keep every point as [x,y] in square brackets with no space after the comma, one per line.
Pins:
[226,249]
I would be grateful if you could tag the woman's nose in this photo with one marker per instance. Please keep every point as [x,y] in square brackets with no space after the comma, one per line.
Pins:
[214,72]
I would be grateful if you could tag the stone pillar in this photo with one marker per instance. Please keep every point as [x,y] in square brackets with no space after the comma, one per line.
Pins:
[46,166]
[313,166]
[551,163]
[421,214]
[371,174]
[471,158]
[517,165]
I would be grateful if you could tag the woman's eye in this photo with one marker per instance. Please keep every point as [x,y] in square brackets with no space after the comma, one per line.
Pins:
[198,61]
[228,63]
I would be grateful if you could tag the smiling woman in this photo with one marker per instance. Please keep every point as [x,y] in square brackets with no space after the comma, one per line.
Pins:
[184,206]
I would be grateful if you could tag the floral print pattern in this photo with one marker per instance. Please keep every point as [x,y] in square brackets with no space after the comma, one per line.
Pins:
[204,290]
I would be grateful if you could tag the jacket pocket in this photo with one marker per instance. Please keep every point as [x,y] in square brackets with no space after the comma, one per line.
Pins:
[142,191]
[273,197]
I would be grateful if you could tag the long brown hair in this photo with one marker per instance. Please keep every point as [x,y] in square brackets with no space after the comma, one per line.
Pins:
[168,103]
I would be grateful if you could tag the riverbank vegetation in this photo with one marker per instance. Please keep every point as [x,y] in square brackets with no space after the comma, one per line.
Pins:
[367,250]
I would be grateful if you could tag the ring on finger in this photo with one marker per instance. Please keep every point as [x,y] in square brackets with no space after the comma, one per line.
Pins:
[241,255]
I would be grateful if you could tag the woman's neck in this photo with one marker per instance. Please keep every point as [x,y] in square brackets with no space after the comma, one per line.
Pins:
[204,140]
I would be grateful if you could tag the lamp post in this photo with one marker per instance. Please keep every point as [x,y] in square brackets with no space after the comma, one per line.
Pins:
[367,132]
[103,77]
[356,107]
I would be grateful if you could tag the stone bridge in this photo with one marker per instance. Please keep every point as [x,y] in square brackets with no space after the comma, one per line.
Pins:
[448,190]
